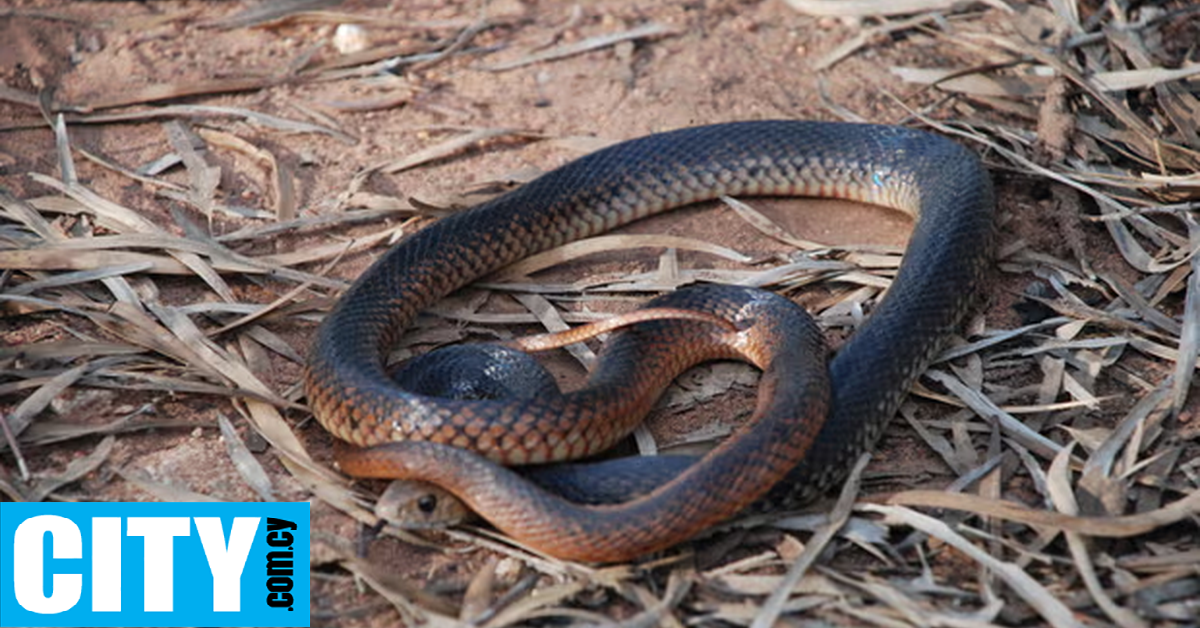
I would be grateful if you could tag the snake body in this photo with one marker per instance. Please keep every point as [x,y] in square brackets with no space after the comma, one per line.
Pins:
[934,179]
[771,333]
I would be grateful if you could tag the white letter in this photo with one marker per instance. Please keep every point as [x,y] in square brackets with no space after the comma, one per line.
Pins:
[106,564]
[226,564]
[160,533]
[28,570]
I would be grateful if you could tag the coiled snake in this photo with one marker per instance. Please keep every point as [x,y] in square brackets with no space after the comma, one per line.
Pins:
[934,179]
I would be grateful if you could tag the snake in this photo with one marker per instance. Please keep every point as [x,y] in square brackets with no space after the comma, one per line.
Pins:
[458,444]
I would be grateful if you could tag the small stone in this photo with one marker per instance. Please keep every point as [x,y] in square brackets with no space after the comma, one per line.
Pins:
[350,38]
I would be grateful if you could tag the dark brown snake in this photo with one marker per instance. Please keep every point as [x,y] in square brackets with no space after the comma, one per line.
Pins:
[934,179]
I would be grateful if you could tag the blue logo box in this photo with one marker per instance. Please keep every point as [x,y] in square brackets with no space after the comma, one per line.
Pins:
[154,564]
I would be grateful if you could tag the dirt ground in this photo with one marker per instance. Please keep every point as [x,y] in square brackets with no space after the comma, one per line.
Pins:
[709,61]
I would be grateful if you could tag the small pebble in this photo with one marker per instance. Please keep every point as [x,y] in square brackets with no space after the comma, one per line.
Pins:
[350,38]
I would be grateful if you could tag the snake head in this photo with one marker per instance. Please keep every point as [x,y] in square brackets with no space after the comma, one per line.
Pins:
[414,505]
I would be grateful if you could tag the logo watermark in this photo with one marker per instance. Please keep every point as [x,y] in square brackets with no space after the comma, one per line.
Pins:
[154,564]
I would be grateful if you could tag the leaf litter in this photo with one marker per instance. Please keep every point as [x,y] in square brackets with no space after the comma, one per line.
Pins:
[1011,410]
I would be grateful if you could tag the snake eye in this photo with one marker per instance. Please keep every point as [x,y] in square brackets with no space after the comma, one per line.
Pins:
[426,503]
